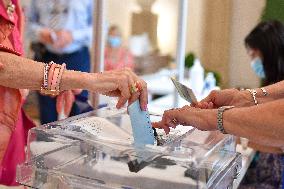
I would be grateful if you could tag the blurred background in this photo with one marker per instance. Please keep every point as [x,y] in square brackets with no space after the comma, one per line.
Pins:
[143,35]
[148,31]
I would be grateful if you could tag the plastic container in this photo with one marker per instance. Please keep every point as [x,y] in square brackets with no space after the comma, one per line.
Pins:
[196,77]
[96,150]
[209,83]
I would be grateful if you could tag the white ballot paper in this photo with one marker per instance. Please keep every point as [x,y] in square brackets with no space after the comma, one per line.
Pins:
[185,92]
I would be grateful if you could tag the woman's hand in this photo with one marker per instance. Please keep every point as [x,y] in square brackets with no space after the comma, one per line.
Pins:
[64,38]
[227,97]
[123,84]
[202,119]
[65,100]
[45,36]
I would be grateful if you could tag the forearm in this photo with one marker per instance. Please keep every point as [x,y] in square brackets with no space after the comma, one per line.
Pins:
[22,73]
[263,124]
[275,91]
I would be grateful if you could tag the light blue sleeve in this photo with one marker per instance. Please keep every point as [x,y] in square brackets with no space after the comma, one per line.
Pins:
[33,26]
[85,35]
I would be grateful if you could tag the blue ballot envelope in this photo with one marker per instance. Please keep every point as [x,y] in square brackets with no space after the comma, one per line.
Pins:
[141,125]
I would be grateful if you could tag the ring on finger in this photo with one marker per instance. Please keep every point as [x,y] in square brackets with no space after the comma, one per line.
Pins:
[133,89]
[174,121]
[136,87]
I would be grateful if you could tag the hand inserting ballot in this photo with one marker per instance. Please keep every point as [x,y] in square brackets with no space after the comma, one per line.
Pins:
[188,116]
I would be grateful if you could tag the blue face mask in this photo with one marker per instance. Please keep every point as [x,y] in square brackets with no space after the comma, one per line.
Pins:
[257,66]
[114,41]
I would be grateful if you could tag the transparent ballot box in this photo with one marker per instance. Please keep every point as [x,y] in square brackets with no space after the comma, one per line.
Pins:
[95,150]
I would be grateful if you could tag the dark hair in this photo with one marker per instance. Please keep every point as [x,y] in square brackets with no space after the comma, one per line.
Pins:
[113,28]
[268,38]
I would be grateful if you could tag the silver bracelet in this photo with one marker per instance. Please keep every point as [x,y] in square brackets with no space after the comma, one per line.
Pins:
[265,93]
[253,94]
[220,125]
[45,75]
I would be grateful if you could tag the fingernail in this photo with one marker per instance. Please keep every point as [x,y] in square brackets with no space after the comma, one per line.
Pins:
[145,108]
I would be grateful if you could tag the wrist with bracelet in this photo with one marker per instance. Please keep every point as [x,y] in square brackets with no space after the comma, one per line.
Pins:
[220,122]
[52,75]
[253,93]
[221,110]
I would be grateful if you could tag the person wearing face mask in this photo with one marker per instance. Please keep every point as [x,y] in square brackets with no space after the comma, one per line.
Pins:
[253,114]
[116,56]
[265,46]
[257,66]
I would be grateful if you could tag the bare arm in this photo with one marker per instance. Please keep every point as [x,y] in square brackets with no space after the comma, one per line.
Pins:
[243,98]
[17,72]
[263,124]
[275,91]
[22,73]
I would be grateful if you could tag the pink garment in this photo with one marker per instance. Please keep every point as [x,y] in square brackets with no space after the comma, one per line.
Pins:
[15,153]
[123,59]
[11,115]
[12,28]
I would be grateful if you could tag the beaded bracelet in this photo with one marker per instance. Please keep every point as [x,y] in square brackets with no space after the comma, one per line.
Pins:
[45,75]
[44,85]
[62,68]
[50,73]
[52,78]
